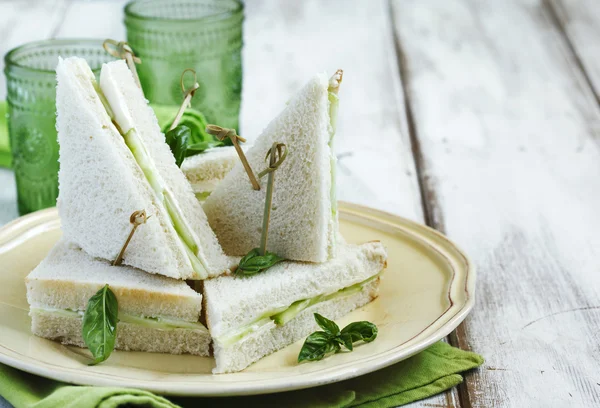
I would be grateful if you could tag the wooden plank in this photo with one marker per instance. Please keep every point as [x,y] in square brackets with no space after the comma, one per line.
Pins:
[508,134]
[580,21]
[287,42]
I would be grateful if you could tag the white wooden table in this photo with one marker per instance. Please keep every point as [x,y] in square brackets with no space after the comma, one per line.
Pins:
[479,118]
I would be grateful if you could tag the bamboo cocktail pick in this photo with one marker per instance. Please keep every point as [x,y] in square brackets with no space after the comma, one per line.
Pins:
[222,133]
[259,259]
[123,50]
[137,218]
[189,94]
[276,156]
[335,81]
[334,87]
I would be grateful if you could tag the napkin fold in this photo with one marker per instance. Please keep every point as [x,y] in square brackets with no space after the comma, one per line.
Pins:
[430,372]
[192,118]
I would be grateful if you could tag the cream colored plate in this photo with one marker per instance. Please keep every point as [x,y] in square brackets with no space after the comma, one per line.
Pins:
[427,290]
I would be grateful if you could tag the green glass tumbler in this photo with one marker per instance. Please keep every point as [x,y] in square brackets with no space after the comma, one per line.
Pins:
[31,93]
[205,35]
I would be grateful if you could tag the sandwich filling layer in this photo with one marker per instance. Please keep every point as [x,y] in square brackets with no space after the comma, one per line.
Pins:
[283,315]
[202,196]
[150,322]
[333,108]
[165,198]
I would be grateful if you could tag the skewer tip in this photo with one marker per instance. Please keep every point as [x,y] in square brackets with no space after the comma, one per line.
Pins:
[336,80]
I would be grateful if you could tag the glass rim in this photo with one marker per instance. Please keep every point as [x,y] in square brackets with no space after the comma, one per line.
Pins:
[239,7]
[9,61]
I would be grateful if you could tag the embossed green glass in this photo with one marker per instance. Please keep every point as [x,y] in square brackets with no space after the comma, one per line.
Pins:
[31,94]
[205,35]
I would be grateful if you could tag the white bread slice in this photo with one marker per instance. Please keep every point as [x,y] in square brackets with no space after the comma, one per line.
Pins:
[100,184]
[301,218]
[117,75]
[130,337]
[206,170]
[251,298]
[68,277]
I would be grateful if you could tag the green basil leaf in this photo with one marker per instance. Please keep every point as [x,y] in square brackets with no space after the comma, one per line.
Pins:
[254,263]
[100,324]
[316,346]
[328,325]
[177,139]
[191,118]
[201,147]
[365,331]
[346,339]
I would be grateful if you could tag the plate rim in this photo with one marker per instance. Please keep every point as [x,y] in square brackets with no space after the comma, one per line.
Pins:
[22,225]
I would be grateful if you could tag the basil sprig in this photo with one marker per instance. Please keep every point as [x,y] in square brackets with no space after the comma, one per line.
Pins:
[177,139]
[331,339]
[254,262]
[100,324]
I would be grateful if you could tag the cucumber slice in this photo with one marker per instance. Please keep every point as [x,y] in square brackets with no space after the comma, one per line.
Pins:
[333,195]
[283,315]
[237,335]
[202,196]
[178,222]
[141,156]
[161,323]
[282,318]
[333,109]
[57,312]
[152,322]
[198,267]
[135,144]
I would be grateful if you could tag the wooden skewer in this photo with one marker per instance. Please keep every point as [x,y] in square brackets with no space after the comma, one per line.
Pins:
[123,50]
[222,133]
[335,81]
[137,218]
[189,94]
[276,156]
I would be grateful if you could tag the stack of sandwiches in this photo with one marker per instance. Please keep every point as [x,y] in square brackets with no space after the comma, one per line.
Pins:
[114,161]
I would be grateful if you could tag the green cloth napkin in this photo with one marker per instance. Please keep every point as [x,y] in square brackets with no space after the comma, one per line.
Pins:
[430,372]
[5,158]
[165,114]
